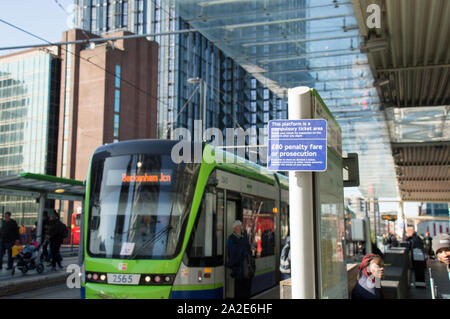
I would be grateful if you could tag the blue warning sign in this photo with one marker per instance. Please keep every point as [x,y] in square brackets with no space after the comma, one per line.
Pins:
[297,145]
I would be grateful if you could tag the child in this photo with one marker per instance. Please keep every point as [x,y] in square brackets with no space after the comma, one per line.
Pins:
[16,249]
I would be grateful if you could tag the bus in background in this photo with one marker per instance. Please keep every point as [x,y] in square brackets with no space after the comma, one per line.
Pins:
[75,228]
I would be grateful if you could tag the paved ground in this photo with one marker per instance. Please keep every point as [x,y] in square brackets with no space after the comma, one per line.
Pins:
[53,292]
[68,254]
[19,283]
[51,284]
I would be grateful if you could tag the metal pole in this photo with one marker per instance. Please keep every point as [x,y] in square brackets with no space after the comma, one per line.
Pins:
[301,210]
[204,109]
[40,223]
[374,220]
[433,292]
[402,213]
[105,39]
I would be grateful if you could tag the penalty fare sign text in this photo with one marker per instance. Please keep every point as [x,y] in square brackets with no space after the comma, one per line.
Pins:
[297,145]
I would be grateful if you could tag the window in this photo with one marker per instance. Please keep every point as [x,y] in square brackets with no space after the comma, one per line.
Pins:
[125,14]
[206,244]
[284,222]
[116,125]
[117,101]
[259,224]
[118,70]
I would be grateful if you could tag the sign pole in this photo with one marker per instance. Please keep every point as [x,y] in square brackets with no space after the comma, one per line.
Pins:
[301,209]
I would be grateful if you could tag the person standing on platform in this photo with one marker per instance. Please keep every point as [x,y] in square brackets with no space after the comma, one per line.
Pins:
[9,234]
[428,244]
[57,231]
[417,260]
[441,247]
[371,271]
[44,240]
[239,257]
[23,234]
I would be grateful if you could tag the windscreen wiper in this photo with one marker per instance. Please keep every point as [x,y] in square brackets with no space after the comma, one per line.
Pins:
[156,237]
[161,233]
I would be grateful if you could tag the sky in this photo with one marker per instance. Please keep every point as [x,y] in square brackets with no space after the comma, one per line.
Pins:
[44,18]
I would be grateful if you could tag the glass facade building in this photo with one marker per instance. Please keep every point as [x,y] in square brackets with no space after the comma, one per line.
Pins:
[234,98]
[29,110]
[435,209]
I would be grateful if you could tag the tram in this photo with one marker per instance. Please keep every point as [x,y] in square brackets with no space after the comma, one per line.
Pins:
[158,229]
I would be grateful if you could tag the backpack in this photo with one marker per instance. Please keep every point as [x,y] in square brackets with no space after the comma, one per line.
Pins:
[248,267]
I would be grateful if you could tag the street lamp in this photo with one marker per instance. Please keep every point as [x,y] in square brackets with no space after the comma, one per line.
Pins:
[202,85]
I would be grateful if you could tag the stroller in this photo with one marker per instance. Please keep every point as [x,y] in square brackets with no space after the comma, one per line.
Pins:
[26,260]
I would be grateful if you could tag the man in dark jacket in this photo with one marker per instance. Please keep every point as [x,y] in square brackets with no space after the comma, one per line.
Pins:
[428,244]
[9,234]
[417,259]
[238,249]
[57,233]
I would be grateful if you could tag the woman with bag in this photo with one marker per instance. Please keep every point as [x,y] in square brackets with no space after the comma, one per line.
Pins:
[371,271]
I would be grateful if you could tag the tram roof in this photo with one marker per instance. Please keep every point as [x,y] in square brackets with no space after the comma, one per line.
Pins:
[244,167]
[284,180]
[34,185]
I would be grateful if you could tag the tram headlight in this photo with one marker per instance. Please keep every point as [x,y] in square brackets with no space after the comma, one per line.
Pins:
[157,279]
[102,277]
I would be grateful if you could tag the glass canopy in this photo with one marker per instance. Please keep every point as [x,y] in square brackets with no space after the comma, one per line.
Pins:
[290,43]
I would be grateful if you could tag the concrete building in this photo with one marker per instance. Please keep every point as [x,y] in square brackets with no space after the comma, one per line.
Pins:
[108,94]
[435,227]
[357,204]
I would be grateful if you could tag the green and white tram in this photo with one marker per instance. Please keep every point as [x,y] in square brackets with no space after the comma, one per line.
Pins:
[158,229]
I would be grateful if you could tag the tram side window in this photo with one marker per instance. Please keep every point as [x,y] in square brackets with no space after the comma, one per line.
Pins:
[259,225]
[284,222]
[206,246]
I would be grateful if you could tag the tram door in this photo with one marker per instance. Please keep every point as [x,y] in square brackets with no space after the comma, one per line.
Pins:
[231,217]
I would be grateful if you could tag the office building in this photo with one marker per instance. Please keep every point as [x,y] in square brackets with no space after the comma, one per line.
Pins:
[29,106]
[434,227]
[233,97]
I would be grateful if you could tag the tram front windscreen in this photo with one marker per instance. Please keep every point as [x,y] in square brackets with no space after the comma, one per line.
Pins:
[138,206]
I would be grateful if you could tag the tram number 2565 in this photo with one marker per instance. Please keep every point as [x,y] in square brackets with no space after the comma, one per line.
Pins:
[121,279]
